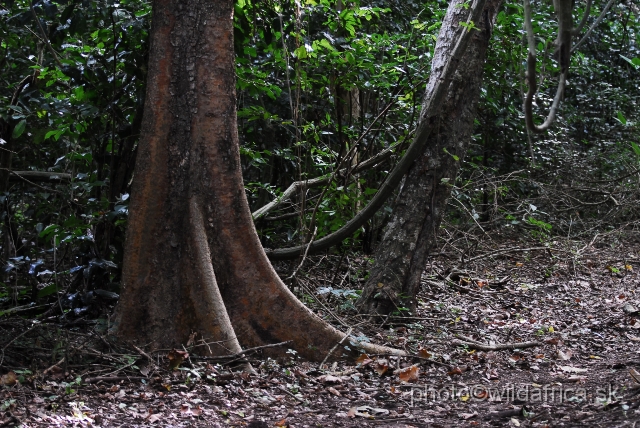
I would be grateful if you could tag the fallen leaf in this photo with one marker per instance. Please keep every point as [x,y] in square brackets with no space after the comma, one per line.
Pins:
[629,268]
[422,352]
[9,379]
[466,416]
[197,411]
[176,358]
[380,367]
[553,341]
[518,264]
[352,412]
[455,371]
[154,418]
[564,355]
[635,375]
[334,391]
[409,374]
[282,423]
[329,379]
[480,394]
[363,360]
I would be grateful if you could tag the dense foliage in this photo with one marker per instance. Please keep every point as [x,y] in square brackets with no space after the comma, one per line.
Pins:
[322,85]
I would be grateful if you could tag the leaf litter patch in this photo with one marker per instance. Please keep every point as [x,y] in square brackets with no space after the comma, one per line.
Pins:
[539,338]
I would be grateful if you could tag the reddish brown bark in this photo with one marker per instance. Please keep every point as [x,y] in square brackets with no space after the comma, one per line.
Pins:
[193,262]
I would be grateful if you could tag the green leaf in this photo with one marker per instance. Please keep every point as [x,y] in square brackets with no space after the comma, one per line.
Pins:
[19,129]
[48,230]
[55,134]
[455,157]
[635,61]
[301,52]
[48,290]
[635,148]
[621,118]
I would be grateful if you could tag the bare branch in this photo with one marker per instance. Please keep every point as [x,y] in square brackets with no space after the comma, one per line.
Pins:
[594,25]
[587,10]
[372,162]
[44,36]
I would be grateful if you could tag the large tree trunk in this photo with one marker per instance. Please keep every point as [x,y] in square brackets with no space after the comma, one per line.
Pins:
[193,262]
[394,280]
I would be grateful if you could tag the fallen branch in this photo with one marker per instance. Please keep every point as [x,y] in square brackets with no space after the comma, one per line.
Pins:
[111,378]
[467,341]
[240,354]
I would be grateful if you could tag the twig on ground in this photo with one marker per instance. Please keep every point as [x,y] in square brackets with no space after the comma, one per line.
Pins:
[467,341]
[290,394]
[112,378]
[505,251]
[126,366]
[335,346]
[425,359]
[144,354]
[240,354]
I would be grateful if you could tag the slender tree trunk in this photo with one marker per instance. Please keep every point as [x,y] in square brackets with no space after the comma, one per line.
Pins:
[394,280]
[193,262]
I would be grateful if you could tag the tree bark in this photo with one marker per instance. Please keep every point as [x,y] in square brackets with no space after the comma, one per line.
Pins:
[193,263]
[394,280]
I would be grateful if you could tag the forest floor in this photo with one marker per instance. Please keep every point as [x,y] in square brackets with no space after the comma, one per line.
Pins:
[576,299]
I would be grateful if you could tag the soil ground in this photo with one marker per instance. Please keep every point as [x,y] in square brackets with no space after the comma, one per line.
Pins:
[577,299]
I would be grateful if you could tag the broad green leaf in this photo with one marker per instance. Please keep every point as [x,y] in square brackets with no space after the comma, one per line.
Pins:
[301,52]
[48,290]
[19,129]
